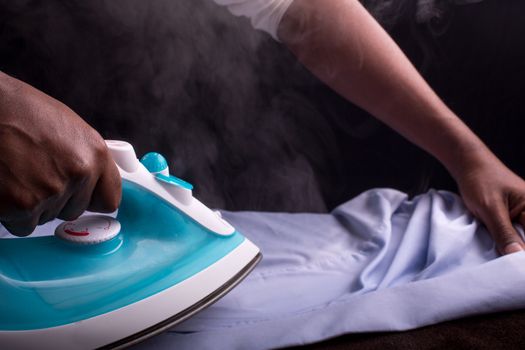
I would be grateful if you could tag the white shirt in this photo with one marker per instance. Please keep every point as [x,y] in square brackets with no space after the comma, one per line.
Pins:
[263,14]
[267,14]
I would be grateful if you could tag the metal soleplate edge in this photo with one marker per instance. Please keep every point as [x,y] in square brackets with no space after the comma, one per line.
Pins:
[192,310]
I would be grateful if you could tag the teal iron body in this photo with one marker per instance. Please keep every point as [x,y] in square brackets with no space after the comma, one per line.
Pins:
[164,257]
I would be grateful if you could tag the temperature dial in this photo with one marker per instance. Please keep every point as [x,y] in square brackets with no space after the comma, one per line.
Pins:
[89,229]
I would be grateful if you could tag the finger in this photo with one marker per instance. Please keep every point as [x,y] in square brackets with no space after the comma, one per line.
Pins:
[22,227]
[107,193]
[77,203]
[46,216]
[500,227]
[53,211]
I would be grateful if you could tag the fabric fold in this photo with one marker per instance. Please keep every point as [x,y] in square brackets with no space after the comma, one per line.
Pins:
[380,262]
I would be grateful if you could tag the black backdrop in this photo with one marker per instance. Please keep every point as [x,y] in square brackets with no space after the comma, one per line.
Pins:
[232,110]
[241,119]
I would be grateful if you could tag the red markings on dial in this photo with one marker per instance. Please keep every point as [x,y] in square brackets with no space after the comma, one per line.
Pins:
[75,233]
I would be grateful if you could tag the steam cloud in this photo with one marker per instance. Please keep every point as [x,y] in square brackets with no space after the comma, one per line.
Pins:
[230,108]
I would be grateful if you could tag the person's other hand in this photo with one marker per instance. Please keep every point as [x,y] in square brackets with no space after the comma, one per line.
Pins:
[52,163]
[496,196]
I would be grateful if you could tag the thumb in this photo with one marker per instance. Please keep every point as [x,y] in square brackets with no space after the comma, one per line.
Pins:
[500,227]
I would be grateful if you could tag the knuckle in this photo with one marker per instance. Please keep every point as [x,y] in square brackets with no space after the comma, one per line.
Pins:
[81,169]
[100,150]
[486,203]
[26,203]
[53,189]
[88,165]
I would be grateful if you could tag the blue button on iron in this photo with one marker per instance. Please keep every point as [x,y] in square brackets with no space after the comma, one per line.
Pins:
[155,163]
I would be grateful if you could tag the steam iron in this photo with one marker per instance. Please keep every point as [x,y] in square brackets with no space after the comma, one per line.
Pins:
[106,282]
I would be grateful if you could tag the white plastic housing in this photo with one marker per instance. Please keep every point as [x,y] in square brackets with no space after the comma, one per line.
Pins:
[132,170]
[123,154]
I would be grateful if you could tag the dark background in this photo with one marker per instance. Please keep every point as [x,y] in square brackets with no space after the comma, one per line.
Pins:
[231,108]
[236,115]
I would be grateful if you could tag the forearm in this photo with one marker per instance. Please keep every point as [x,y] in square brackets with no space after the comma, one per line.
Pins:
[347,49]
